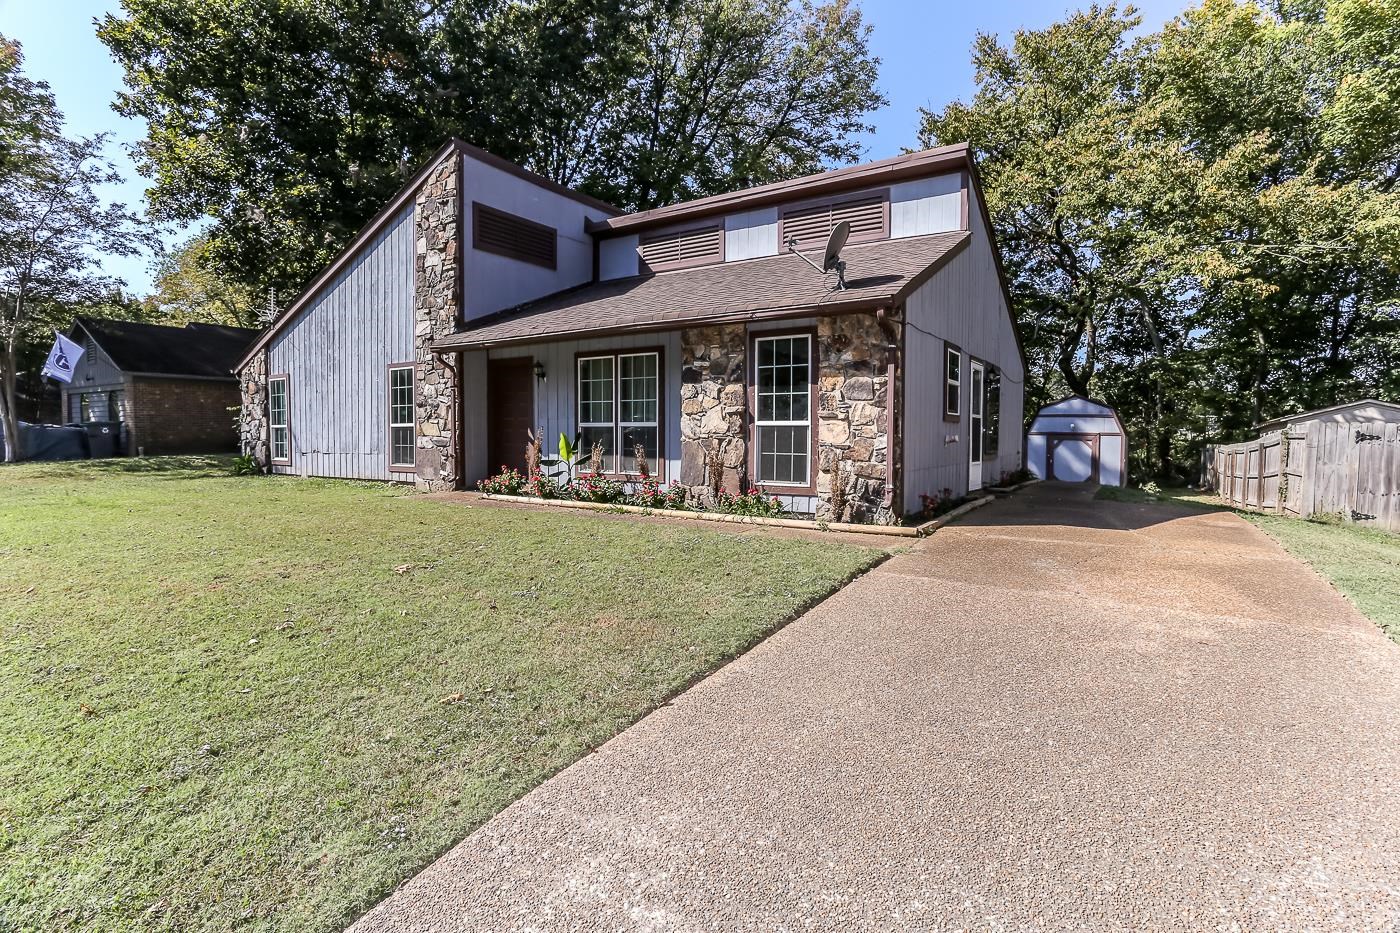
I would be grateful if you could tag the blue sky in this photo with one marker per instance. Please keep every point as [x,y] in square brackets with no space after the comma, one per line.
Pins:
[924,49]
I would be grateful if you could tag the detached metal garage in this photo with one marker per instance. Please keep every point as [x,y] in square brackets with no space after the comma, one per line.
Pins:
[1078,440]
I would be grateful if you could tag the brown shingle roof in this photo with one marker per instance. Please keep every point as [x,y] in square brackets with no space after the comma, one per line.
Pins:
[881,273]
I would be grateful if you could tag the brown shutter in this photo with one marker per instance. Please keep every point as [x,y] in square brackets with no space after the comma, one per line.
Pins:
[496,231]
[682,248]
[812,225]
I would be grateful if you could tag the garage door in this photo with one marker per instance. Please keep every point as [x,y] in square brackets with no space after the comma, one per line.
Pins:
[1073,459]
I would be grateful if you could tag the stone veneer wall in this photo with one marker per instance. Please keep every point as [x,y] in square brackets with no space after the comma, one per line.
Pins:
[853,412]
[437,221]
[714,407]
[252,413]
[853,415]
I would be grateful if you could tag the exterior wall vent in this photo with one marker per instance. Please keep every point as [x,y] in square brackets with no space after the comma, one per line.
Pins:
[505,234]
[679,249]
[869,217]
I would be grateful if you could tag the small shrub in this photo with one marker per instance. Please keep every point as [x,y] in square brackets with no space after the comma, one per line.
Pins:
[753,502]
[594,487]
[244,466]
[508,482]
[1152,489]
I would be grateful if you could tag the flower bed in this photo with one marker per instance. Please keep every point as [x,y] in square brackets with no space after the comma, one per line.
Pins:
[646,492]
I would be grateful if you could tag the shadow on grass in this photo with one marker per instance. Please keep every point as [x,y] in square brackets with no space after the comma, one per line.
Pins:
[174,468]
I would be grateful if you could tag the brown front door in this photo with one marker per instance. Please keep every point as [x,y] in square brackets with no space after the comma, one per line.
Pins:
[510,401]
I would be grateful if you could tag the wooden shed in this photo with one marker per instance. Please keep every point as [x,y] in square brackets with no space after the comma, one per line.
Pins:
[1078,440]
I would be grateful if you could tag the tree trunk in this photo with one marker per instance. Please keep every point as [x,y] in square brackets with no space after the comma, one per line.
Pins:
[9,415]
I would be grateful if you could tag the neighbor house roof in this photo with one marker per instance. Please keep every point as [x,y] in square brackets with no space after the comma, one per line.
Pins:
[877,274]
[205,351]
[1330,409]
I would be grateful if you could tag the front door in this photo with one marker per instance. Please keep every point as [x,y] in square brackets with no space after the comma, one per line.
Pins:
[510,406]
[974,427]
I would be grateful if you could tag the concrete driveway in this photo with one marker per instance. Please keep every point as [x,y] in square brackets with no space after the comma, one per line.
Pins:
[1058,714]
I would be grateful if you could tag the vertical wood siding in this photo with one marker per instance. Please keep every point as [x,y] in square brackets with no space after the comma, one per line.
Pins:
[926,205]
[555,398]
[751,234]
[495,282]
[963,304]
[336,355]
[474,438]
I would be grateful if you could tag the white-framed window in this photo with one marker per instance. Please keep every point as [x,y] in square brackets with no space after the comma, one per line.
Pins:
[278,420]
[783,415]
[952,376]
[403,430]
[597,408]
[619,406]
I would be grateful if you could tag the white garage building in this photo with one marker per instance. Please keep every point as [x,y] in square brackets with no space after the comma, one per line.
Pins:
[1078,440]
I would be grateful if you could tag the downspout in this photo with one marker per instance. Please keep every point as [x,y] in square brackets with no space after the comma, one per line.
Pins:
[891,326]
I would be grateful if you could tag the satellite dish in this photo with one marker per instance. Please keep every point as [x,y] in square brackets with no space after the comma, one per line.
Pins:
[831,258]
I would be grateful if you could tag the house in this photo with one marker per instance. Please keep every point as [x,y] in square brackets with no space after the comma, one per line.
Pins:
[484,301]
[1365,411]
[1078,440]
[171,389]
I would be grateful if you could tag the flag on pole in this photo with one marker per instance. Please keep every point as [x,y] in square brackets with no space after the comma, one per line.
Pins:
[62,358]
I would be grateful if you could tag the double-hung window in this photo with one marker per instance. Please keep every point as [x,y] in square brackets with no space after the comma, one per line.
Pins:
[783,416]
[619,399]
[402,428]
[952,377]
[279,434]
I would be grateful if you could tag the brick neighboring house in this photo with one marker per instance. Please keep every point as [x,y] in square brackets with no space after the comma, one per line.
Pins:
[171,388]
[484,301]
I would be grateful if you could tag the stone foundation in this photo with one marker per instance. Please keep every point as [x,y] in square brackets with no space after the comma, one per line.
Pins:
[853,421]
[714,408]
[437,220]
[252,413]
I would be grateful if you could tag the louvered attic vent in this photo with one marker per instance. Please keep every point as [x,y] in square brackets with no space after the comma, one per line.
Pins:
[495,231]
[812,225]
[682,248]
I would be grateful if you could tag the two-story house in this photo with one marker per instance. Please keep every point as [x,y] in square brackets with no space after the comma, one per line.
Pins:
[485,301]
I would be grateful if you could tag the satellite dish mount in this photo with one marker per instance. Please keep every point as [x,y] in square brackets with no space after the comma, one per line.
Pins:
[831,256]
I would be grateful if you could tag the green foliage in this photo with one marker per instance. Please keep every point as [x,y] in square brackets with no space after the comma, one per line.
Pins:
[1200,225]
[261,704]
[53,227]
[289,124]
[244,466]
[188,288]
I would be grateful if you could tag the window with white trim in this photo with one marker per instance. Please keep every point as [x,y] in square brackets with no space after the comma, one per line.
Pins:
[279,437]
[783,416]
[619,404]
[403,431]
[952,377]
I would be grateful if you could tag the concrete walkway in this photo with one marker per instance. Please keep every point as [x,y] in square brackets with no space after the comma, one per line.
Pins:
[1060,713]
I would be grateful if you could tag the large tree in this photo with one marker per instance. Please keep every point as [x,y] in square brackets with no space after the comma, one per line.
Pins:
[1200,223]
[290,122]
[53,227]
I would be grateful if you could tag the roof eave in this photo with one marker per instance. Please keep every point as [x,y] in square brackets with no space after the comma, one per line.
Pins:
[869,303]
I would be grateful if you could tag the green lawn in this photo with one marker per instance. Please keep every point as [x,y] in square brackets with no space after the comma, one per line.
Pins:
[1362,563]
[260,703]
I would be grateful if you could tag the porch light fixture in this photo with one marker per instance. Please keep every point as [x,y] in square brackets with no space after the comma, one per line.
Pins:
[539,370]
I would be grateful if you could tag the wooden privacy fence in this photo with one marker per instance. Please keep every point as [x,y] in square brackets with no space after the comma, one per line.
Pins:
[1348,469]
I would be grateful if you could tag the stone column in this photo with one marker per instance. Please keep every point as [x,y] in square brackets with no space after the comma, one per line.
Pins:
[714,408]
[252,412]
[437,221]
[853,411]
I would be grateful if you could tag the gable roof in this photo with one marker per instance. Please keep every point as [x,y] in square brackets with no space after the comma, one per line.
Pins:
[204,351]
[391,210]
[879,274]
[1307,415]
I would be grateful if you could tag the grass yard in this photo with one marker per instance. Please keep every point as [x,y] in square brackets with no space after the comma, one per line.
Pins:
[1362,563]
[260,703]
